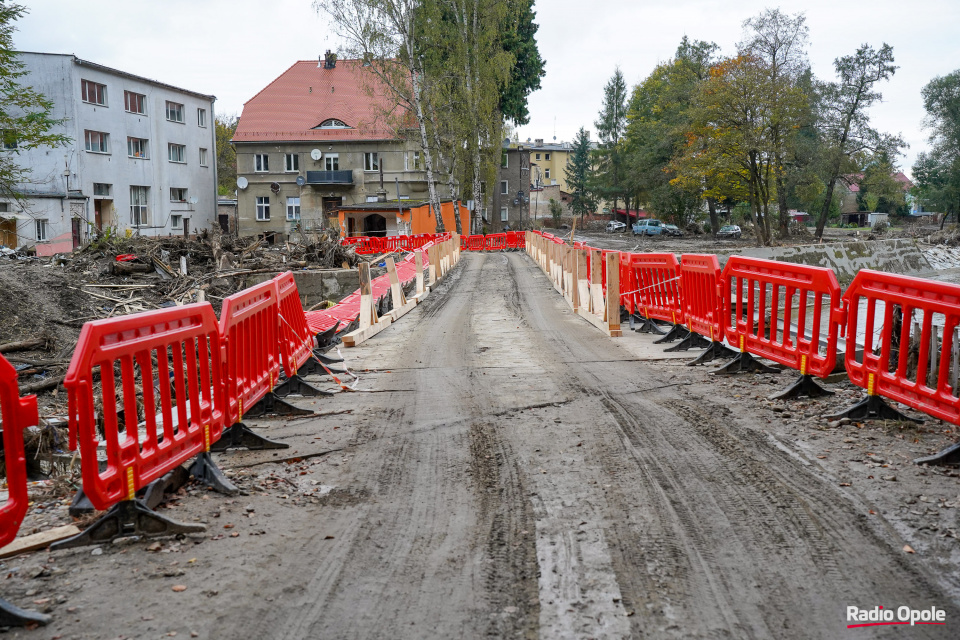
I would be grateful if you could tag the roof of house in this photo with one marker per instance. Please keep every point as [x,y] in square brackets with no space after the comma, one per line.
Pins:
[307,94]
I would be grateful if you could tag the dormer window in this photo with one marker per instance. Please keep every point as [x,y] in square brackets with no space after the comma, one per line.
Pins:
[332,123]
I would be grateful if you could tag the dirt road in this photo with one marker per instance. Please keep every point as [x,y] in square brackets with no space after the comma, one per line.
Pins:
[511,473]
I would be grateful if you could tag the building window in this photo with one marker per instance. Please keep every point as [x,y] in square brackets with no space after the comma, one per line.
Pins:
[93,92]
[202,118]
[95,141]
[8,139]
[137,148]
[176,221]
[546,156]
[416,161]
[293,208]
[177,152]
[504,187]
[332,123]
[101,189]
[41,230]
[261,163]
[371,161]
[538,156]
[333,162]
[139,215]
[178,194]
[504,161]
[174,112]
[546,173]
[263,208]
[4,207]
[134,102]
[291,162]
[504,217]
[203,157]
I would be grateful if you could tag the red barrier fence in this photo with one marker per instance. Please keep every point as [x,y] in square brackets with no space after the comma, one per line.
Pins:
[249,332]
[296,340]
[699,282]
[495,242]
[187,399]
[17,414]
[475,243]
[657,277]
[767,312]
[516,240]
[890,302]
[492,242]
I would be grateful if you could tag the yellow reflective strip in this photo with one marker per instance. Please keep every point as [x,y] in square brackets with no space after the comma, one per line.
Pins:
[741,344]
[240,411]
[871,391]
[131,490]
[206,437]
[803,365]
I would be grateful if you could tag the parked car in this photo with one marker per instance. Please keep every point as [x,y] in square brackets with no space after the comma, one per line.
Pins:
[647,228]
[729,231]
[613,226]
[672,230]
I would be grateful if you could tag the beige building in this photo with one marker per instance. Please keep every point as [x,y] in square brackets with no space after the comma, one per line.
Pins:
[548,163]
[317,138]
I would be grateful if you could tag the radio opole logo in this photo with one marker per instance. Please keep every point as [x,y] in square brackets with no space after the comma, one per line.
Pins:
[878,616]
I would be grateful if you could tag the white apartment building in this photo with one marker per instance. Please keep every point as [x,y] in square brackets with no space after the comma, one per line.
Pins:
[142,158]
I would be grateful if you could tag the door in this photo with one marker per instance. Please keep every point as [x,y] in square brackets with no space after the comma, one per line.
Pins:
[75,229]
[8,233]
[186,227]
[224,220]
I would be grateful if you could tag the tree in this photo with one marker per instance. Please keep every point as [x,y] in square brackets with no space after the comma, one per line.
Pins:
[776,42]
[611,126]
[658,121]
[556,212]
[226,126]
[844,123]
[387,34]
[937,173]
[577,172]
[519,40]
[26,116]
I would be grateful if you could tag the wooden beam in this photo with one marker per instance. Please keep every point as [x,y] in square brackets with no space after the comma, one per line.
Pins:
[40,540]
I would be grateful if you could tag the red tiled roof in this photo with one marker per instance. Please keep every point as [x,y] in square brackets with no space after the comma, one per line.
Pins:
[307,94]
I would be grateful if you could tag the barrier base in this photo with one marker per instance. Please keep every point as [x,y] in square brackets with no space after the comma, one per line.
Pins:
[640,324]
[949,456]
[677,332]
[324,358]
[127,518]
[693,340]
[241,436]
[273,405]
[319,366]
[297,386]
[872,407]
[805,386]
[714,350]
[13,616]
[744,363]
[206,471]
[151,495]
[326,339]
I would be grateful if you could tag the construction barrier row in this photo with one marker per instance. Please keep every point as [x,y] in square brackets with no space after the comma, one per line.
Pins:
[491,242]
[791,314]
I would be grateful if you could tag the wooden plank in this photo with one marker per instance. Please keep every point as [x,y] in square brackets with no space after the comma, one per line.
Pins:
[595,321]
[40,540]
[362,335]
[399,312]
[613,294]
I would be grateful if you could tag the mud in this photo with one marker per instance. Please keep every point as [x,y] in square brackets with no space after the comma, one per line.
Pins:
[520,475]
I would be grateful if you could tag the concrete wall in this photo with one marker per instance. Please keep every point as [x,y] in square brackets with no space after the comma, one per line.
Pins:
[59,77]
[898,255]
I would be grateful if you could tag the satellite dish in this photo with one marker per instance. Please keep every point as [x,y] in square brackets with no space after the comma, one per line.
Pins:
[194,200]
[316,154]
[301,181]
[275,187]
[242,182]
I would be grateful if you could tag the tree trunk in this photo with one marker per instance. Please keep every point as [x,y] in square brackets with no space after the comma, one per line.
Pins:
[424,143]
[782,200]
[825,211]
[714,220]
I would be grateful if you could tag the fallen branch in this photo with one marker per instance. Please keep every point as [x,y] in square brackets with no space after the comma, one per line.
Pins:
[44,385]
[25,345]
[297,458]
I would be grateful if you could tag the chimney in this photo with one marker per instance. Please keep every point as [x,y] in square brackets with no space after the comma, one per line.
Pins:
[329,60]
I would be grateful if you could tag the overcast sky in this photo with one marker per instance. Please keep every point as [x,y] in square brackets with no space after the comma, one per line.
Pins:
[233,48]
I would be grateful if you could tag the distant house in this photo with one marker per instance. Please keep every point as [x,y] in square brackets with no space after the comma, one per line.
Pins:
[849,189]
[142,158]
[511,198]
[325,135]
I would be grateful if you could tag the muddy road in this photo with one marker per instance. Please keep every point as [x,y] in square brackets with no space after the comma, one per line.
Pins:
[509,472]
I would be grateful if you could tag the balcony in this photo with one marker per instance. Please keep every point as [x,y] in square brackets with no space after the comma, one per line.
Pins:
[330,177]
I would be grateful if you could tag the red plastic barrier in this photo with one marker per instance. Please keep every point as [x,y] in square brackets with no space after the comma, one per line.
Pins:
[249,325]
[464,243]
[17,414]
[188,399]
[296,340]
[758,295]
[516,240]
[628,283]
[495,242]
[657,277]
[880,293]
[475,243]
[699,281]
